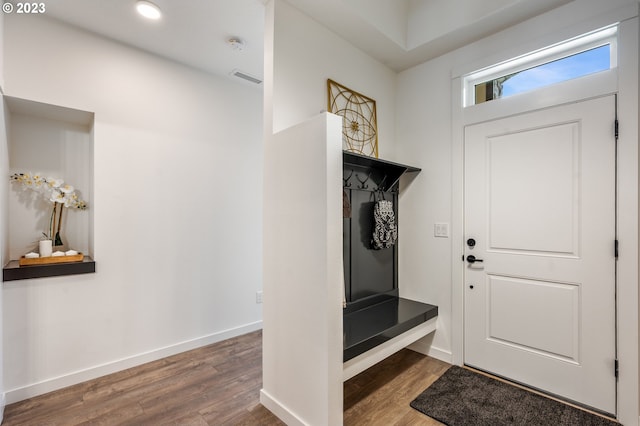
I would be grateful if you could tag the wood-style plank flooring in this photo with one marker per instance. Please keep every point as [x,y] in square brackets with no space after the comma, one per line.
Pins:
[219,384]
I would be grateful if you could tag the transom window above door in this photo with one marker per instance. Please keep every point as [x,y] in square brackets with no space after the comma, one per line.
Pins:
[578,57]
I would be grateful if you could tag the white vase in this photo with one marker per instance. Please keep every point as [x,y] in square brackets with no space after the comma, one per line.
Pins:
[46,248]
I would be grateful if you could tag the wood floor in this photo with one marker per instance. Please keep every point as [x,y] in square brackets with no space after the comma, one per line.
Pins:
[219,384]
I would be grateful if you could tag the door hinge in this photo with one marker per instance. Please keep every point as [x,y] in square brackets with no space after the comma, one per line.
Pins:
[615,368]
[615,248]
[616,129]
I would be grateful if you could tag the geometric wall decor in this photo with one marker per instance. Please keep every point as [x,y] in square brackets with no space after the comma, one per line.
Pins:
[359,123]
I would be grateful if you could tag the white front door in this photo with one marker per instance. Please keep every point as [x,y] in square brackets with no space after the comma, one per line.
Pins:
[540,207]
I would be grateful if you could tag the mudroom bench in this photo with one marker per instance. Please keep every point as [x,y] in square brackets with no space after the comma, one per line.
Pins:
[389,324]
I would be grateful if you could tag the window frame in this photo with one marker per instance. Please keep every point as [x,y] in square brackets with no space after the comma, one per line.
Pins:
[576,45]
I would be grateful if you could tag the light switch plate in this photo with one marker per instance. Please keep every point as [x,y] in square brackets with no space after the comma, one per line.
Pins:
[441,230]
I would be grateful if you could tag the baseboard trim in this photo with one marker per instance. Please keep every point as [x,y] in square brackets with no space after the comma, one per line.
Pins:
[421,347]
[279,410]
[35,389]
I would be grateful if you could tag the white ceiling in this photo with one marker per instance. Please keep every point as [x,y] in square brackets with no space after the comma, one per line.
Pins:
[193,32]
[399,33]
[404,33]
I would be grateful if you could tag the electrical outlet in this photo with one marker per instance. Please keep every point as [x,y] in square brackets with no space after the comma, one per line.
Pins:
[258,296]
[441,230]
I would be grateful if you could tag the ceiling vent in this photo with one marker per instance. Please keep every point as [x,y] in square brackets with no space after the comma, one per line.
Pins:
[246,76]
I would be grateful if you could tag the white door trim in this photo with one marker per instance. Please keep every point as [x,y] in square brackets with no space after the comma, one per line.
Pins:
[627,216]
[628,306]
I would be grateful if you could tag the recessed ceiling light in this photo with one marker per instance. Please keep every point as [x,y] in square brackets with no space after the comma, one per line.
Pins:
[148,9]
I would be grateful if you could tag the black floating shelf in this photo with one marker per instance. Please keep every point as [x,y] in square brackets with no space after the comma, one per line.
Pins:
[392,171]
[369,327]
[13,271]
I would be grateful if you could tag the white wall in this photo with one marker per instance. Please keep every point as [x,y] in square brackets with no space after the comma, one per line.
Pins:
[4,232]
[430,20]
[177,210]
[424,135]
[390,17]
[4,224]
[302,337]
[2,51]
[305,55]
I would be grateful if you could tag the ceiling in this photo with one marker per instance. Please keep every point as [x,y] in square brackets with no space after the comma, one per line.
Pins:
[193,32]
[399,33]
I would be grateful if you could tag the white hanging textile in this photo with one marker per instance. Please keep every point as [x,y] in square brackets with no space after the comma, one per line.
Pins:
[385,231]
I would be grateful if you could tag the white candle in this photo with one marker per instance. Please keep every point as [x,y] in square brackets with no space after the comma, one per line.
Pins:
[46,247]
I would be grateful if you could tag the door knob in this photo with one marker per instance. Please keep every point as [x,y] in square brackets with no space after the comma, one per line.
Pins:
[472,259]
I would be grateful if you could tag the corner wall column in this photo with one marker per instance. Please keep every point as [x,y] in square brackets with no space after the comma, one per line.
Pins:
[303,269]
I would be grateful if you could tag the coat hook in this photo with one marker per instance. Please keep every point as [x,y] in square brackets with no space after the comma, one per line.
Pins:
[347,184]
[381,186]
[363,182]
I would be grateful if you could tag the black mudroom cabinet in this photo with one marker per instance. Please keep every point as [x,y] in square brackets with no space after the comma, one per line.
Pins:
[374,312]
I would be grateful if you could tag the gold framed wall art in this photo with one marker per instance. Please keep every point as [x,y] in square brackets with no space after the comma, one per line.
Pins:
[359,120]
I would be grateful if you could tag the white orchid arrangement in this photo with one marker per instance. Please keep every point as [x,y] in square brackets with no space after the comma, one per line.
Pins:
[57,192]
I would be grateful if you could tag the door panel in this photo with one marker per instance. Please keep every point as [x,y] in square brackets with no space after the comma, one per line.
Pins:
[516,303]
[540,202]
[530,170]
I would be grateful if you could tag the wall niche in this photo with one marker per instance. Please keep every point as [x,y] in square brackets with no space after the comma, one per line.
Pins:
[56,142]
